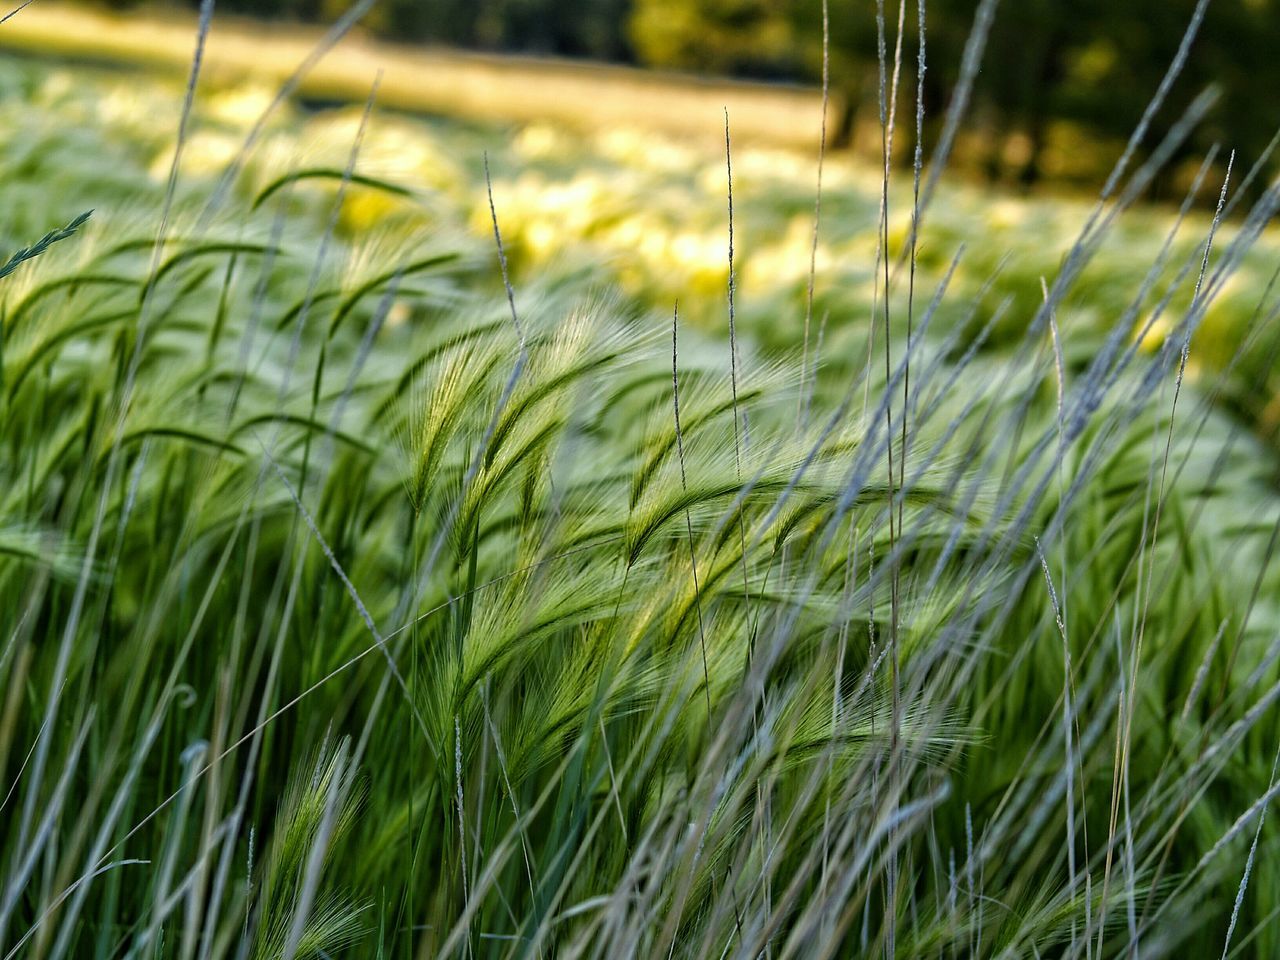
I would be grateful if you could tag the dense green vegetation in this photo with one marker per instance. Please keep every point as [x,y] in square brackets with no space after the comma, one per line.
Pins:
[350,608]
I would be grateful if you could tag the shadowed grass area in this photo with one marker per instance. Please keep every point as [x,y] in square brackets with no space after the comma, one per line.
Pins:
[351,609]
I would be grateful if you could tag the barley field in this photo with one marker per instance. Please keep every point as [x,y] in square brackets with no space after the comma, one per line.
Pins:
[428,538]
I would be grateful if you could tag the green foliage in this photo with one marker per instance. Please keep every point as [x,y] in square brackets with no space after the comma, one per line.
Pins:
[43,244]
[1089,65]
[342,616]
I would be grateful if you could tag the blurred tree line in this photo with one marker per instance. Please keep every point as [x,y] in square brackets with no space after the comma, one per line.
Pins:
[1085,65]
[1089,65]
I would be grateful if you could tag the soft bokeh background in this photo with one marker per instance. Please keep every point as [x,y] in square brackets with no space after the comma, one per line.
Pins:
[613,175]
[1061,82]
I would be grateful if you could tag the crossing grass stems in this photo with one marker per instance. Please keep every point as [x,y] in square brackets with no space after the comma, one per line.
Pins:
[444,652]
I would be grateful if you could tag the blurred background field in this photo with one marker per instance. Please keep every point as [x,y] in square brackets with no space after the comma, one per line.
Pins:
[420,78]
[1060,88]
[611,174]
